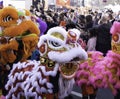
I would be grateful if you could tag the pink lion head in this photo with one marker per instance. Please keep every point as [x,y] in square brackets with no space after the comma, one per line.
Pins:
[115,31]
[115,28]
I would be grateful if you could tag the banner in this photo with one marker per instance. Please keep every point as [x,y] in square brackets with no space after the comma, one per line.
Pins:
[63,2]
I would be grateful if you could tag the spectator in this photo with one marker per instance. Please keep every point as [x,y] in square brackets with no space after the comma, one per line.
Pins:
[70,25]
[81,22]
[89,22]
[103,43]
[91,44]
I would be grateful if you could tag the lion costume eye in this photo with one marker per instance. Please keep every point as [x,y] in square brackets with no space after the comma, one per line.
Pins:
[116,38]
[7,18]
[54,43]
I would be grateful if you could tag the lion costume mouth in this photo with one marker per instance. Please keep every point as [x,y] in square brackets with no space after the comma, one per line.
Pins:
[68,70]
[28,33]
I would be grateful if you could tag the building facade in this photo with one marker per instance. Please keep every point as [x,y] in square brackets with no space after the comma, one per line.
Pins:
[46,3]
[79,3]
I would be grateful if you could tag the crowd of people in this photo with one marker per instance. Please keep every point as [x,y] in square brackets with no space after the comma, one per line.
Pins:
[93,23]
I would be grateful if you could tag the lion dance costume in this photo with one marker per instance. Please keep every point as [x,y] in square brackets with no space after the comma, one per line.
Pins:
[18,38]
[59,53]
[99,71]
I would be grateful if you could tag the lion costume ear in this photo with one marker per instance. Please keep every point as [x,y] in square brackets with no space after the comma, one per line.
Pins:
[27,12]
[24,13]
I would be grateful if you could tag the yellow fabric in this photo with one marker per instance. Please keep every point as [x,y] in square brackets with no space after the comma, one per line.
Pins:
[0,92]
[115,47]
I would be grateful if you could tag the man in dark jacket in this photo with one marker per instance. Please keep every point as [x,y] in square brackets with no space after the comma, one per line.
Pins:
[103,43]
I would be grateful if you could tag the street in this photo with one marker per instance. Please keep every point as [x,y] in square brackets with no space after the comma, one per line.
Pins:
[101,94]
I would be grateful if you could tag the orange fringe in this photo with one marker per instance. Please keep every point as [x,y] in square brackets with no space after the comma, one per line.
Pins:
[6,52]
[30,43]
[18,30]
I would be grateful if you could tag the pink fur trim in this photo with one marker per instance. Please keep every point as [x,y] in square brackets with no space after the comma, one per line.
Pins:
[2,97]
